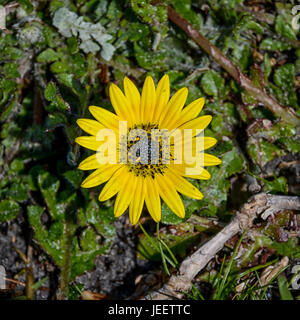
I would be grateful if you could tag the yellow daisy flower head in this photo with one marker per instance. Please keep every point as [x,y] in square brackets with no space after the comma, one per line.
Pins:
[146,148]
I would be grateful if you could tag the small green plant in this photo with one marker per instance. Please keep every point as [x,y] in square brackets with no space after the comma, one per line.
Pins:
[232,283]
[159,244]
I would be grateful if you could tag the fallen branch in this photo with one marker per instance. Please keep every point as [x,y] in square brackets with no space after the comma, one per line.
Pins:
[283,112]
[259,205]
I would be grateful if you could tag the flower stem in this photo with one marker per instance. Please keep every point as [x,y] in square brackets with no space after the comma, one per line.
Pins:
[66,268]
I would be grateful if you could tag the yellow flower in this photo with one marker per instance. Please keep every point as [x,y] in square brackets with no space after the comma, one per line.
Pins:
[145,167]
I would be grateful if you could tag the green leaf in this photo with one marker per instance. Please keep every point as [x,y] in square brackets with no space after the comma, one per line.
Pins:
[278,185]
[101,218]
[184,7]
[56,119]
[290,249]
[216,189]
[49,55]
[74,177]
[62,104]
[17,165]
[265,152]
[283,286]
[12,53]
[290,144]
[267,68]
[86,243]
[27,5]
[59,67]
[156,15]
[50,92]
[169,217]
[242,54]
[11,70]
[18,192]
[274,45]
[9,209]
[213,84]
[134,31]
[57,101]
[284,76]
[284,29]
[49,186]
[50,240]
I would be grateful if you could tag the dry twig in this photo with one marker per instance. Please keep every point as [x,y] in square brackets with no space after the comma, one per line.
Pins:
[261,204]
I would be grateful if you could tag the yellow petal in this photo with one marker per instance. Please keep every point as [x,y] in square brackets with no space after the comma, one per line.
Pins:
[204,143]
[90,163]
[137,203]
[170,196]
[197,123]
[209,142]
[210,160]
[202,175]
[114,184]
[183,186]
[89,142]
[125,194]
[173,109]
[190,112]
[181,169]
[105,117]
[148,100]
[162,97]
[120,103]
[100,175]
[90,126]
[134,98]
[152,199]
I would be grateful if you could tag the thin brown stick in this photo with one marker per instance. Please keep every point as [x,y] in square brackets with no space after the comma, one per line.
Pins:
[261,204]
[15,281]
[284,112]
